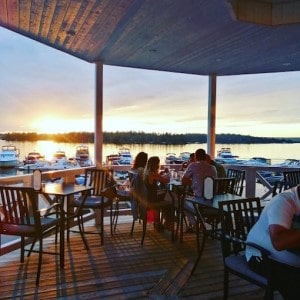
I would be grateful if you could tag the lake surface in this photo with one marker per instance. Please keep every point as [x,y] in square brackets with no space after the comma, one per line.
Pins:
[276,152]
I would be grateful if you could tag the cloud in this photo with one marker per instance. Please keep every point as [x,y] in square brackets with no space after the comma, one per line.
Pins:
[37,80]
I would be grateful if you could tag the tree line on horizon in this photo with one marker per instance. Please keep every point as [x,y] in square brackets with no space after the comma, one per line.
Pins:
[132,137]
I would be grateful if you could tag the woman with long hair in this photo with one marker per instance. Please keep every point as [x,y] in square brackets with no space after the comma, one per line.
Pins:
[137,169]
[155,198]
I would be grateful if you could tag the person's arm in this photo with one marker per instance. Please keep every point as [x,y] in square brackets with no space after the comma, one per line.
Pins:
[187,176]
[283,239]
[162,179]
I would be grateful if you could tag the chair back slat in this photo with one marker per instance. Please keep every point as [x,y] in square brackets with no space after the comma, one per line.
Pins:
[279,187]
[292,178]
[237,218]
[217,186]
[239,176]
[224,185]
[18,206]
[99,179]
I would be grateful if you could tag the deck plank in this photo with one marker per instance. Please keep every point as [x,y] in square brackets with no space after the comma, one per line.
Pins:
[123,269]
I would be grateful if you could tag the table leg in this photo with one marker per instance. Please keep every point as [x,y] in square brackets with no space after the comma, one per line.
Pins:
[178,213]
[181,216]
[62,237]
[200,225]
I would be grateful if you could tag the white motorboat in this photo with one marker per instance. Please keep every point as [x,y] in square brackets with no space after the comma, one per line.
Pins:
[256,161]
[112,159]
[51,165]
[59,155]
[184,156]
[290,162]
[171,158]
[82,155]
[9,157]
[125,156]
[224,156]
[33,157]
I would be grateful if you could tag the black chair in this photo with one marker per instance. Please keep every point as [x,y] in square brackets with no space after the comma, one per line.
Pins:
[20,216]
[140,193]
[280,186]
[292,177]
[237,218]
[217,186]
[102,197]
[125,197]
[212,187]
[239,176]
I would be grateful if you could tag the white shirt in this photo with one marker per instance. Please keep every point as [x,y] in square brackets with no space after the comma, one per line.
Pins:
[281,210]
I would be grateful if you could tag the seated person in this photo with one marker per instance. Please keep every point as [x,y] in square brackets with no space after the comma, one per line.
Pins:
[139,164]
[276,230]
[221,172]
[194,177]
[152,180]
[186,163]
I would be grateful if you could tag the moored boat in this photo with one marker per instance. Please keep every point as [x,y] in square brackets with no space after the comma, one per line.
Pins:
[9,156]
[51,165]
[112,159]
[125,156]
[59,156]
[171,158]
[82,155]
[33,157]
[224,156]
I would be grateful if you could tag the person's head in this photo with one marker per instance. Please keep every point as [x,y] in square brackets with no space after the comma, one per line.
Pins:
[192,157]
[200,154]
[140,160]
[153,164]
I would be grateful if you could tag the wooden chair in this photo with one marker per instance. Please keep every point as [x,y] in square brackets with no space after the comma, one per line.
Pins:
[215,186]
[145,204]
[237,218]
[292,178]
[21,217]
[123,196]
[239,176]
[280,186]
[102,197]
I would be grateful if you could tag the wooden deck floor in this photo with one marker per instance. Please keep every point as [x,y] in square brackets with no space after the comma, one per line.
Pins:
[123,269]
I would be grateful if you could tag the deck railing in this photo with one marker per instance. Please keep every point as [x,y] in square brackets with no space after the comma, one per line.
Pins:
[68,175]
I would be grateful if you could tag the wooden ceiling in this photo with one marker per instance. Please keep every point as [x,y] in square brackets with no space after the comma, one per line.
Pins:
[186,36]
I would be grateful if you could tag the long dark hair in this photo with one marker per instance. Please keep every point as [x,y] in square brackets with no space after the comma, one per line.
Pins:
[140,160]
[152,165]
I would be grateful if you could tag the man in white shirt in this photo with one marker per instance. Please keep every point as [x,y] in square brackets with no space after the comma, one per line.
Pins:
[278,231]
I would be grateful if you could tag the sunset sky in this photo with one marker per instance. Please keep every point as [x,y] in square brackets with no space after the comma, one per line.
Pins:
[45,90]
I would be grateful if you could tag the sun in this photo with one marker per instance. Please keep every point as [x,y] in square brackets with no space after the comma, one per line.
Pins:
[52,125]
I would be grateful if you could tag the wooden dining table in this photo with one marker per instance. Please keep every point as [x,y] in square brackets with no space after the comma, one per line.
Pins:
[63,193]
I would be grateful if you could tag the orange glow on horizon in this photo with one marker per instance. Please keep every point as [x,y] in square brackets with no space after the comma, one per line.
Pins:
[52,125]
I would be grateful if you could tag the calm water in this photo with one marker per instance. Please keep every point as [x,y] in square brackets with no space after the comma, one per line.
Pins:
[276,152]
